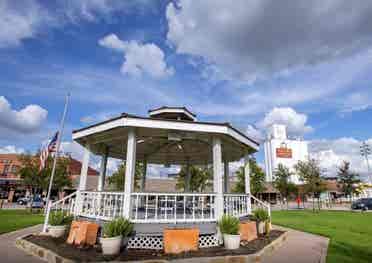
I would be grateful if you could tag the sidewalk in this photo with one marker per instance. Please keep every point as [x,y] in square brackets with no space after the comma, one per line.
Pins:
[9,252]
[300,247]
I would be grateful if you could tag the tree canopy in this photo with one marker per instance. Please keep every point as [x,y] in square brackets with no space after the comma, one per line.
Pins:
[347,180]
[200,178]
[310,173]
[38,179]
[117,179]
[257,178]
[282,182]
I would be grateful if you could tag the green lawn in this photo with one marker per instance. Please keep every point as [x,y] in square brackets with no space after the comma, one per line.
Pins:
[350,233]
[11,220]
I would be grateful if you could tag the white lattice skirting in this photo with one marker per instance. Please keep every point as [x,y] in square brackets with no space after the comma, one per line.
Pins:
[156,242]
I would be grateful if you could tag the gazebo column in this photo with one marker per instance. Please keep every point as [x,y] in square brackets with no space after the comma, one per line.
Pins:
[226,178]
[217,177]
[130,168]
[247,180]
[82,179]
[102,172]
[144,172]
[84,169]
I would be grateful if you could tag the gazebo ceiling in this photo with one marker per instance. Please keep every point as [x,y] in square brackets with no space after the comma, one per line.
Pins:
[164,141]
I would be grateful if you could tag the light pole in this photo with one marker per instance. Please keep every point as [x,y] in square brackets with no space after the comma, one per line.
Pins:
[365,151]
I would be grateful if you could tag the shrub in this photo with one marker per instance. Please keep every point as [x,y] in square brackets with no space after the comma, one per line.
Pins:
[229,225]
[260,215]
[118,227]
[60,218]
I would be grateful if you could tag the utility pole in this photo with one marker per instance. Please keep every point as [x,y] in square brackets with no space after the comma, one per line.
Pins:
[365,151]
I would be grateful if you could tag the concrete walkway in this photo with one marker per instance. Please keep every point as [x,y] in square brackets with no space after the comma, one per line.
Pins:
[9,252]
[300,247]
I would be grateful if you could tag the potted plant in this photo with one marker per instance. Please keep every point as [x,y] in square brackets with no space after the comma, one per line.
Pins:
[229,227]
[113,233]
[262,219]
[58,223]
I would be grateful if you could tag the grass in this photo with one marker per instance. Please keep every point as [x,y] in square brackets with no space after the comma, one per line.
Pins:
[11,220]
[350,233]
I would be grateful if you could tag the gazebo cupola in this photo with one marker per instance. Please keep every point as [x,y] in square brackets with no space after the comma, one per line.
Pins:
[172,113]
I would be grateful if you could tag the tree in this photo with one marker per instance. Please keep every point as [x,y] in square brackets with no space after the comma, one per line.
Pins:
[282,182]
[310,173]
[257,178]
[38,180]
[117,179]
[347,180]
[200,178]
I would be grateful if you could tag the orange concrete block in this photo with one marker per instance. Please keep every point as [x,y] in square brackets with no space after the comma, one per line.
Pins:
[180,240]
[73,232]
[248,230]
[83,233]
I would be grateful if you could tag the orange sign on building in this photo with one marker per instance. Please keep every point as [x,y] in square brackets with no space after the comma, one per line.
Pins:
[283,152]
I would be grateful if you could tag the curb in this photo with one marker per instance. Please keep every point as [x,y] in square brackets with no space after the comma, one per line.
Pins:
[50,256]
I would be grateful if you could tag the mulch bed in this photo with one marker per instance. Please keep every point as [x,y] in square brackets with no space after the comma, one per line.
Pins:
[86,254]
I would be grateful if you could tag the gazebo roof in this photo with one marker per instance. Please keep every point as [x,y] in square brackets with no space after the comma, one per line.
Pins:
[165,140]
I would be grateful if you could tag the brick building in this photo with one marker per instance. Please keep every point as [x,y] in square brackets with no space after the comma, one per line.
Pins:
[12,187]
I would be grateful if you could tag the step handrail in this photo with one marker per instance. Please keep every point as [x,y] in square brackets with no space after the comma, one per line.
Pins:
[268,208]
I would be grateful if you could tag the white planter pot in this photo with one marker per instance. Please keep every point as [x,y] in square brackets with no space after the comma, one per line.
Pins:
[261,228]
[231,241]
[57,231]
[111,245]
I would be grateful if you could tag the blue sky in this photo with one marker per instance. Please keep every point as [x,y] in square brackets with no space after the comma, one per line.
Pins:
[251,63]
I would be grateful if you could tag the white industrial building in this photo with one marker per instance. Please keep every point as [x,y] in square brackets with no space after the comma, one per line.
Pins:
[279,149]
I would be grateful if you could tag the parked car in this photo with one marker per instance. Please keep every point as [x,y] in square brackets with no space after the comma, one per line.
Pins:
[23,200]
[37,202]
[362,204]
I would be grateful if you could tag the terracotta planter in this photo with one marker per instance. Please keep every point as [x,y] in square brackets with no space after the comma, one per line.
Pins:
[57,231]
[231,241]
[111,245]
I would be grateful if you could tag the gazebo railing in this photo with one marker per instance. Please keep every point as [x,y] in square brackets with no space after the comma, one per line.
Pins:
[156,207]
[237,204]
[172,207]
[66,204]
[101,205]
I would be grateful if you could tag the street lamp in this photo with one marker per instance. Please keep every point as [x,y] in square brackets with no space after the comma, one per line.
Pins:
[365,151]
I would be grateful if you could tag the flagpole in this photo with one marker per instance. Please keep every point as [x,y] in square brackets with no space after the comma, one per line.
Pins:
[59,138]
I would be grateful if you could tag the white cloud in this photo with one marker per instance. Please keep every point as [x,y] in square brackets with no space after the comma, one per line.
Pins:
[27,120]
[139,58]
[331,154]
[255,133]
[20,21]
[295,122]
[250,39]
[11,149]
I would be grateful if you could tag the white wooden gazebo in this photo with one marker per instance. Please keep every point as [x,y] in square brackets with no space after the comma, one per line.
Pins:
[169,136]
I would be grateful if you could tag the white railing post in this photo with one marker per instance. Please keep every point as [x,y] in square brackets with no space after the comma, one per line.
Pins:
[247,182]
[226,177]
[46,221]
[130,167]
[217,177]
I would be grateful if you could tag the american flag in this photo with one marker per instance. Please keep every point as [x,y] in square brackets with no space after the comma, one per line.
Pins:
[50,147]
